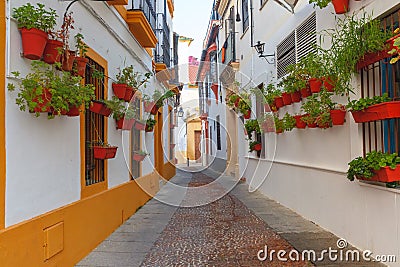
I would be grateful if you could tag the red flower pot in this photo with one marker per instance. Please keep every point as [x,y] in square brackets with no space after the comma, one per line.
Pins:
[73,111]
[148,106]
[382,111]
[247,114]
[80,63]
[237,102]
[100,108]
[67,60]
[51,52]
[129,94]
[214,88]
[385,175]
[138,157]
[279,131]
[328,84]
[257,147]
[267,126]
[279,102]
[43,101]
[315,85]
[100,152]
[299,123]
[305,92]
[149,129]
[154,110]
[337,116]
[119,90]
[296,96]
[140,126]
[287,100]
[33,43]
[341,6]
[125,124]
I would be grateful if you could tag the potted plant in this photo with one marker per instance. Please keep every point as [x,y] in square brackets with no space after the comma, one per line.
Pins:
[252,126]
[338,114]
[233,100]
[255,146]
[214,88]
[245,105]
[375,108]
[376,166]
[106,107]
[300,124]
[34,23]
[312,108]
[395,52]
[68,55]
[279,125]
[140,125]
[267,124]
[150,123]
[270,93]
[80,59]
[128,82]
[139,155]
[124,116]
[288,122]
[104,151]
[54,47]
[340,6]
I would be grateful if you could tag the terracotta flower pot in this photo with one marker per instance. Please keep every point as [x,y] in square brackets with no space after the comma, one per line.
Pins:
[247,115]
[287,100]
[43,101]
[138,157]
[305,92]
[257,147]
[315,85]
[337,116]
[299,123]
[140,126]
[33,42]
[51,52]
[100,152]
[129,93]
[296,96]
[237,102]
[341,6]
[329,84]
[119,90]
[73,111]
[80,63]
[382,111]
[279,102]
[125,124]
[100,108]
[67,60]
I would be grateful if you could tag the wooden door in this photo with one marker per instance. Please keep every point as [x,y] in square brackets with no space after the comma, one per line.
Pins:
[197,138]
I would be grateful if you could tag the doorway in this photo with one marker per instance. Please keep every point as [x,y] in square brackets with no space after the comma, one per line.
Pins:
[197,138]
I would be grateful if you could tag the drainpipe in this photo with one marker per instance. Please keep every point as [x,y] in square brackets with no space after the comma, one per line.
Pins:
[252,24]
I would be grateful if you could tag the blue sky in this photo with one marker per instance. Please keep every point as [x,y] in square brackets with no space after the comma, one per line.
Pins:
[191,20]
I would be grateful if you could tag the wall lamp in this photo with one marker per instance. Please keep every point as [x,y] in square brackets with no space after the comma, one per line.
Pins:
[260,50]
[237,11]
[180,112]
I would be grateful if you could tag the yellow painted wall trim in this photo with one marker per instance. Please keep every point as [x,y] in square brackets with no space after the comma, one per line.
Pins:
[117,2]
[86,223]
[169,171]
[2,113]
[171,7]
[141,29]
[122,11]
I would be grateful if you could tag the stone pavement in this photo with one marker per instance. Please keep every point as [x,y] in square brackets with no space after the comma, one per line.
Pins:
[227,232]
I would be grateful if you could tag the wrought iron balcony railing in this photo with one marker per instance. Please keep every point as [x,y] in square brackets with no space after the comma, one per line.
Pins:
[229,55]
[163,48]
[148,9]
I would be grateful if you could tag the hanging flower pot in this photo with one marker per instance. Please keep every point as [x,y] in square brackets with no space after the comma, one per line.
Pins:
[381,111]
[101,152]
[73,111]
[67,60]
[305,92]
[312,125]
[129,93]
[148,106]
[296,96]
[141,126]
[80,64]
[100,108]
[154,110]
[287,100]
[51,52]
[43,101]
[237,102]
[149,129]
[125,124]
[337,116]
[299,123]
[279,102]
[247,115]
[341,6]
[138,156]
[315,85]
[328,84]
[257,147]
[33,43]
[119,90]
[214,88]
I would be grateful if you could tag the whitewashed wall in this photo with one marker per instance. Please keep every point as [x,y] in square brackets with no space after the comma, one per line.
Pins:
[309,172]
[43,156]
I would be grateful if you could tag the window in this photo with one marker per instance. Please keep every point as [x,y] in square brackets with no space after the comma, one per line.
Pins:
[376,79]
[94,129]
[245,14]
[218,133]
[135,143]
[297,45]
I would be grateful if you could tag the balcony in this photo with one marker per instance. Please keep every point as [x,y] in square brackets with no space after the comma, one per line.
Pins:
[163,49]
[227,53]
[141,19]
[171,7]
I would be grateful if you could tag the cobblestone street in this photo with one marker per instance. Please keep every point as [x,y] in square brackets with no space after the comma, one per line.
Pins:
[227,232]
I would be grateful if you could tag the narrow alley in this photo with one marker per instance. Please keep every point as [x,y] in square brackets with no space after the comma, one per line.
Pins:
[227,232]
